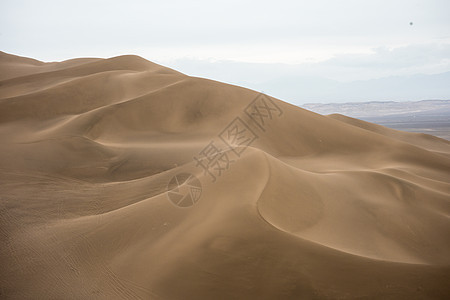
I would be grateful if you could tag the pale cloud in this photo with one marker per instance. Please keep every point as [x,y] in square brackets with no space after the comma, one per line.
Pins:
[379,62]
[404,73]
[240,41]
[401,57]
[263,31]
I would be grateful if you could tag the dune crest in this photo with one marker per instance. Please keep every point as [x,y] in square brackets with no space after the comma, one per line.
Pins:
[304,206]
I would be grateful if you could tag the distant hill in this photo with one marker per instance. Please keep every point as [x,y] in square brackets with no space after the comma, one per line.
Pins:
[301,89]
[426,116]
[382,108]
[302,83]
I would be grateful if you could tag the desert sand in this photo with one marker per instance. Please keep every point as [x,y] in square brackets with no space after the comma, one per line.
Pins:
[280,202]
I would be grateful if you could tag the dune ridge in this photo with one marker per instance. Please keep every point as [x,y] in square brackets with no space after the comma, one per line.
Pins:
[316,207]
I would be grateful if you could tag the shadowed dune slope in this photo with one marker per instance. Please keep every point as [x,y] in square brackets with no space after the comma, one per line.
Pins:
[296,205]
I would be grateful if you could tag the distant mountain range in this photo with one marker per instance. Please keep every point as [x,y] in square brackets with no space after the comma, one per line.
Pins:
[300,84]
[437,108]
[427,116]
[301,89]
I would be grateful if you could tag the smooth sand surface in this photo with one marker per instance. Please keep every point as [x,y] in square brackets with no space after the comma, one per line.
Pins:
[309,206]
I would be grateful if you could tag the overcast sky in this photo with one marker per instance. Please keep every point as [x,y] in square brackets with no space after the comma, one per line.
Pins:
[340,40]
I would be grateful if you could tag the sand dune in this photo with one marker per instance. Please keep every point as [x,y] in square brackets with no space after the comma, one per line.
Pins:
[300,205]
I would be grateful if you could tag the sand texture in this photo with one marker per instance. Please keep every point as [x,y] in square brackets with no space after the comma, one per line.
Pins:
[280,202]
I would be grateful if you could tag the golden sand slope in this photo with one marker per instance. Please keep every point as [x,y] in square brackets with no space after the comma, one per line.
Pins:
[314,207]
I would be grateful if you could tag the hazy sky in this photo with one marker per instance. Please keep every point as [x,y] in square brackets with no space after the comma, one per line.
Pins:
[341,40]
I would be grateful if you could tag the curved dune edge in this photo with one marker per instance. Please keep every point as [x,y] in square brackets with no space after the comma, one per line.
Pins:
[320,207]
[301,210]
